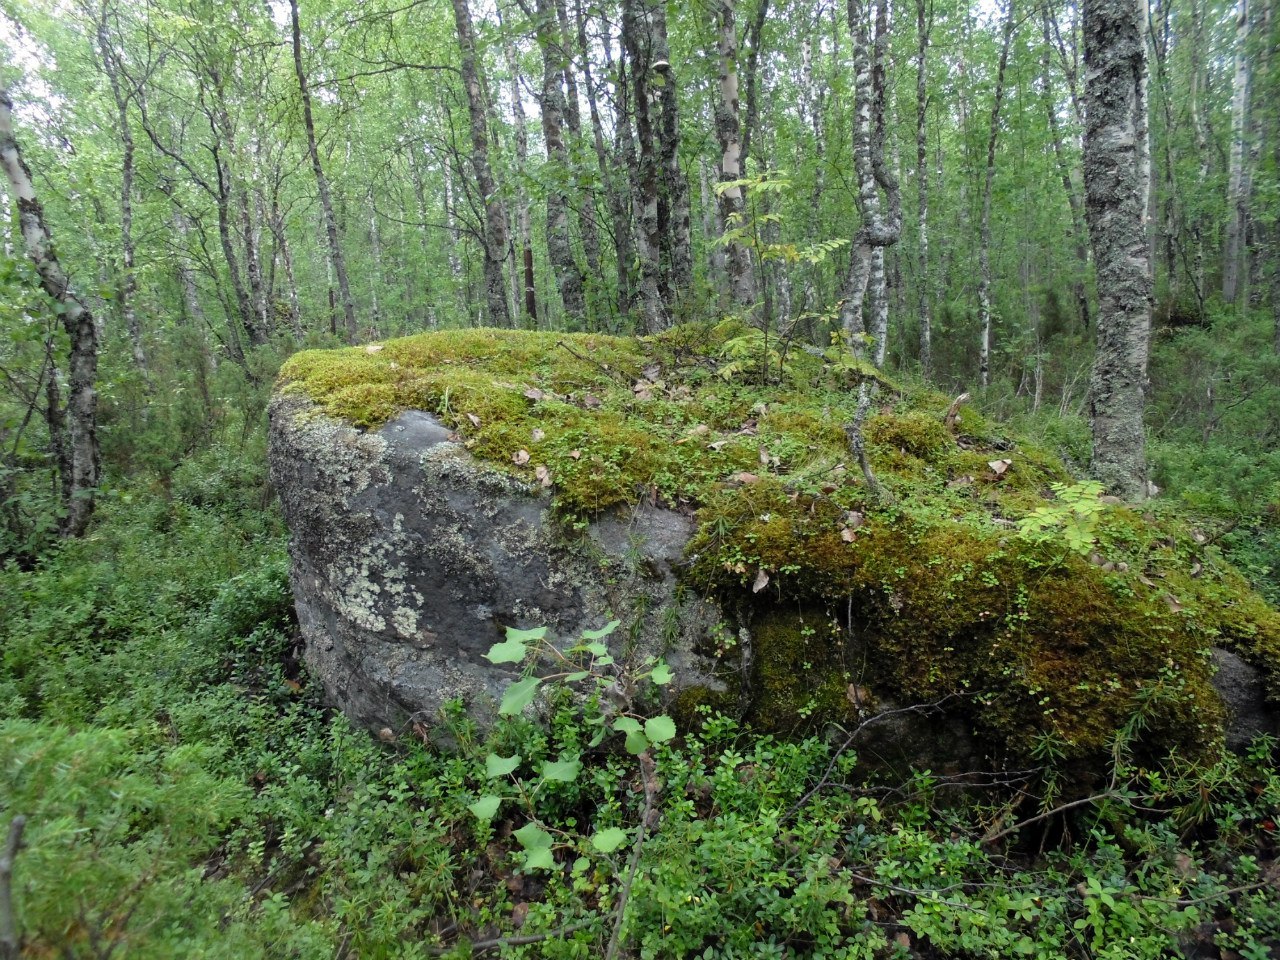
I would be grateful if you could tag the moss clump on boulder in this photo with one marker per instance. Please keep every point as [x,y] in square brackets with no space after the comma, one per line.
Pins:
[1056,615]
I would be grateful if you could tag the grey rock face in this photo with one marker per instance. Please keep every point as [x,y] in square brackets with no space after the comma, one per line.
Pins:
[1243,693]
[409,560]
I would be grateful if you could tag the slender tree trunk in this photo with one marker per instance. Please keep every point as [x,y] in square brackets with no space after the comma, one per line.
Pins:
[286,255]
[636,36]
[336,260]
[984,241]
[755,40]
[1237,194]
[495,220]
[1115,204]
[588,226]
[618,213]
[524,227]
[737,257]
[80,485]
[1079,236]
[559,244]
[924,292]
[676,238]
[128,286]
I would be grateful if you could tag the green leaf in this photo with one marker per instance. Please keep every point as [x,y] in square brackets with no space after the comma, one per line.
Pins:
[605,661]
[518,696]
[603,632]
[609,839]
[508,651]
[564,771]
[533,837]
[595,649]
[661,674]
[627,725]
[540,859]
[527,636]
[485,808]
[496,766]
[576,676]
[580,865]
[637,743]
[660,729]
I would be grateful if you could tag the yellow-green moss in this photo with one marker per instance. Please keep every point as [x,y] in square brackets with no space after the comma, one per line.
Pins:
[934,587]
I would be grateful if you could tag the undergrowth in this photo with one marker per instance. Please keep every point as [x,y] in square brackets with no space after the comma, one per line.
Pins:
[187,795]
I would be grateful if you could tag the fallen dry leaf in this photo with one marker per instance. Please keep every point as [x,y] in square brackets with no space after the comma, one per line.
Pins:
[475,421]
[716,445]
[543,475]
[848,536]
[1172,601]
[999,466]
[762,581]
[537,434]
[521,457]
[854,519]
[575,454]
[745,477]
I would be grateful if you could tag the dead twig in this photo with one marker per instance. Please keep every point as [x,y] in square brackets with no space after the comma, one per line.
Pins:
[649,776]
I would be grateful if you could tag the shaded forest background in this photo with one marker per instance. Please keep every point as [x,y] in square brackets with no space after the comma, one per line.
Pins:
[229,182]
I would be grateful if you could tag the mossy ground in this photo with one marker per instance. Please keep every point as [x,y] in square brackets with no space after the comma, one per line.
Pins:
[935,585]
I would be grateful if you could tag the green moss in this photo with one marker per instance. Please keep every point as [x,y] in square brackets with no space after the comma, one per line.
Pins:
[934,588]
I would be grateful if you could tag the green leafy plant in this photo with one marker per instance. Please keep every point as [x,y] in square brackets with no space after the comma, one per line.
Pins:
[1073,518]
[607,690]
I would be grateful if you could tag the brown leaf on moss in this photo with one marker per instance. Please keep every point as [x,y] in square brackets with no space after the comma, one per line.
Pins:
[543,475]
[520,457]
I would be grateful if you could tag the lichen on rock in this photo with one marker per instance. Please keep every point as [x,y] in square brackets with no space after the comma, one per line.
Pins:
[983,575]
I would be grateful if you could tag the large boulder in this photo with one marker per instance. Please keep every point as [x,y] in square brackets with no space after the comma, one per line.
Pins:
[410,558]
[441,488]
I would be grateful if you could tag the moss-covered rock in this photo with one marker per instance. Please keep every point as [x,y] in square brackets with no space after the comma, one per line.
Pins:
[1054,616]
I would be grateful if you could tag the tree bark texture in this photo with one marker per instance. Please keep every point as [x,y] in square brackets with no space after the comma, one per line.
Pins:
[1115,59]
[737,257]
[637,42]
[495,218]
[984,240]
[524,269]
[559,243]
[924,25]
[80,487]
[336,259]
[1237,193]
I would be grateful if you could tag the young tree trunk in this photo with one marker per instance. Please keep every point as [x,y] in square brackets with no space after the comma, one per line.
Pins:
[737,257]
[286,254]
[1079,236]
[1115,205]
[637,43]
[559,244]
[984,241]
[80,484]
[524,227]
[495,219]
[676,237]
[588,227]
[1237,194]
[924,292]
[128,279]
[618,213]
[755,39]
[877,230]
[336,260]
